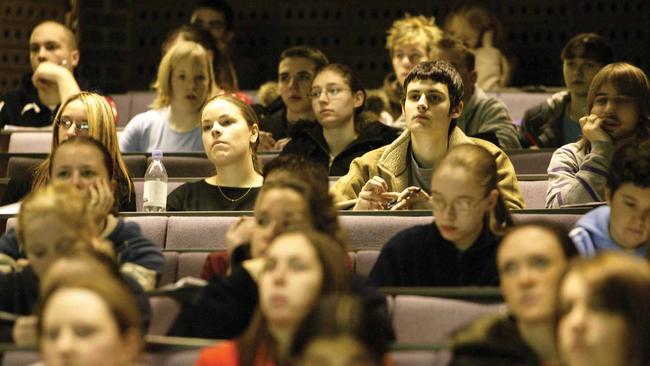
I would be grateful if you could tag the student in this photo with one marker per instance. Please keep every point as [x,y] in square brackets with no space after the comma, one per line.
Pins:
[340,331]
[432,103]
[53,56]
[555,122]
[531,260]
[300,267]
[86,164]
[218,17]
[483,116]
[57,206]
[459,248]
[619,105]
[410,41]
[296,69]
[185,81]
[88,318]
[602,311]
[230,133]
[480,30]
[83,114]
[343,132]
[624,224]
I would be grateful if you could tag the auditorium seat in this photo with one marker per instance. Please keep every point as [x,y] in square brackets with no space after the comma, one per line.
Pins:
[197,232]
[190,264]
[530,161]
[164,311]
[568,220]
[153,228]
[136,165]
[419,358]
[174,358]
[419,319]
[534,192]
[365,261]
[123,106]
[140,102]
[372,232]
[30,142]
[170,268]
[187,166]
[19,165]
[20,358]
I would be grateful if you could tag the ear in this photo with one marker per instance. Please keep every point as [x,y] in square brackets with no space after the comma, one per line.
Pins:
[255,133]
[358,99]
[74,58]
[456,112]
[132,341]
[608,195]
[473,76]
[492,199]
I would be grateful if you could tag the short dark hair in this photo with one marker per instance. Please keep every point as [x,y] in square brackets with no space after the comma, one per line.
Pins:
[441,72]
[630,164]
[556,229]
[448,43]
[222,7]
[588,45]
[313,54]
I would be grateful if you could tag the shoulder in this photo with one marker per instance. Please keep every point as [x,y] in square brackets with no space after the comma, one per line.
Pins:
[149,117]
[412,237]
[224,354]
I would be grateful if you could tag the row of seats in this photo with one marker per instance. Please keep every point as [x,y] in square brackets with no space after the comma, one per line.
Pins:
[418,320]
[187,240]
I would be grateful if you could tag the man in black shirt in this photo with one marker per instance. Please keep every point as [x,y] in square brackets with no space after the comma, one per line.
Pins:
[53,55]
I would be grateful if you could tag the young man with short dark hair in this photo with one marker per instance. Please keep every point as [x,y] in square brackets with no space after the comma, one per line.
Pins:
[431,104]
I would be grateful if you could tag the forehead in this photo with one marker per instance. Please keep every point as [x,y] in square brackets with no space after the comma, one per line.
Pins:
[208,14]
[50,32]
[281,200]
[639,194]
[424,86]
[84,304]
[296,64]
[529,241]
[292,245]
[74,108]
[329,76]
[190,62]
[78,155]
[220,107]
[411,47]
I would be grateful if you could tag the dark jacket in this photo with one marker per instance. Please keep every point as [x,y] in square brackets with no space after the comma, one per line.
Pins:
[128,242]
[541,125]
[420,256]
[308,140]
[23,108]
[18,295]
[276,123]
[492,340]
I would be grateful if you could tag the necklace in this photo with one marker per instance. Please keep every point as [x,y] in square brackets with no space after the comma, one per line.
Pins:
[235,199]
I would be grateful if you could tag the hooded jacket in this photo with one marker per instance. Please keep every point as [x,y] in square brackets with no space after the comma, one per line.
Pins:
[591,234]
[541,125]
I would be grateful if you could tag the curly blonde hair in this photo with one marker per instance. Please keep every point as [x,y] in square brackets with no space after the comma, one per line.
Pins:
[414,30]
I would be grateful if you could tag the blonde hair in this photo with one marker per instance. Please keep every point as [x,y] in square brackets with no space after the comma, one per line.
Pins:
[68,204]
[414,30]
[101,121]
[172,58]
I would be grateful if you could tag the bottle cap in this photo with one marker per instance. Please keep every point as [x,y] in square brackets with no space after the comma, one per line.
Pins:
[157,154]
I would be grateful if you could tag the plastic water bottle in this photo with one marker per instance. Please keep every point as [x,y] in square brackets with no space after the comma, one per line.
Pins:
[155,185]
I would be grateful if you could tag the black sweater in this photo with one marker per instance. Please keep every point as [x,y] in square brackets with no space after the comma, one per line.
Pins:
[308,140]
[420,256]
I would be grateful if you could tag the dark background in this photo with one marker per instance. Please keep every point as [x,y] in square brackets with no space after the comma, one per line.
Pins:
[120,39]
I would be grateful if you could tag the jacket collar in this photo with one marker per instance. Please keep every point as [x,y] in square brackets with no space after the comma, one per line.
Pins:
[394,160]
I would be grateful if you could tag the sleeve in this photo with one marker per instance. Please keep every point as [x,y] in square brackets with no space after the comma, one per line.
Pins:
[9,245]
[571,181]
[345,190]
[139,257]
[220,310]
[177,198]
[385,272]
[496,118]
[132,135]
[529,130]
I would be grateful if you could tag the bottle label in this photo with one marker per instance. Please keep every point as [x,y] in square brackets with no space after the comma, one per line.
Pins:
[155,193]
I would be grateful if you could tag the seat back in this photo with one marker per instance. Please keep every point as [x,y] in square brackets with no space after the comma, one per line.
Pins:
[372,232]
[365,261]
[197,232]
[139,191]
[164,311]
[136,164]
[420,319]
[534,193]
[18,165]
[187,166]
[568,220]
[530,161]
[30,142]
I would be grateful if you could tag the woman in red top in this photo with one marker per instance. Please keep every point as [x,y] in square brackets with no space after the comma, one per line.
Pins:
[299,267]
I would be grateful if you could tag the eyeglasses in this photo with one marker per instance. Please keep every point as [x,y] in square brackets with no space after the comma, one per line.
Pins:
[331,92]
[79,126]
[461,206]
